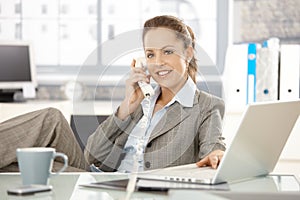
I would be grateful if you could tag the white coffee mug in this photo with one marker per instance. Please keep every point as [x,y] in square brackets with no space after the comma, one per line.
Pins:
[35,164]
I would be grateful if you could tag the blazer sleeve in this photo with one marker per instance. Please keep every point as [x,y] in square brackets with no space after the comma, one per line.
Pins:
[105,146]
[210,130]
[104,141]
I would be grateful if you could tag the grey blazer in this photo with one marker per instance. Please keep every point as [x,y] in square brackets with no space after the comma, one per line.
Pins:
[184,135]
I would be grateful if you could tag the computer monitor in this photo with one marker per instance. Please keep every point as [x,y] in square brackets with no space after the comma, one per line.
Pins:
[17,68]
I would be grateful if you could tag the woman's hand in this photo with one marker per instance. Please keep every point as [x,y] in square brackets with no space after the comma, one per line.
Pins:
[133,93]
[212,159]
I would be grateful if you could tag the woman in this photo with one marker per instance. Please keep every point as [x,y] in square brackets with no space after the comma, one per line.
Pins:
[184,124]
[177,125]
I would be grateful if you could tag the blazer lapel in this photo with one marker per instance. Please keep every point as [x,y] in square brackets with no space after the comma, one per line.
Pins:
[171,118]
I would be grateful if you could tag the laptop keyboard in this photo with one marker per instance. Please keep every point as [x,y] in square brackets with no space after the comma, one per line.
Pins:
[187,173]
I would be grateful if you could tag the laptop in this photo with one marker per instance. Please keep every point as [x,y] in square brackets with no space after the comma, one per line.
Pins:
[254,150]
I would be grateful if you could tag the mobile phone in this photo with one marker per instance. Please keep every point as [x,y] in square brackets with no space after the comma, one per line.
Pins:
[29,189]
[145,87]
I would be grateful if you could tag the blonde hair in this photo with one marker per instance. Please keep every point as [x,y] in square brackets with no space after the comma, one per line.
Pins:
[183,32]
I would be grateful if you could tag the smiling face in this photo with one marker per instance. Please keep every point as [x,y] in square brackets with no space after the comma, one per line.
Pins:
[166,58]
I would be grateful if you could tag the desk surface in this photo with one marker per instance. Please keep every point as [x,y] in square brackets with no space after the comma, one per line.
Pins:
[66,186]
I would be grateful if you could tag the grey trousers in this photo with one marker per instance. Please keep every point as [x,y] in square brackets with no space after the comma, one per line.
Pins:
[42,128]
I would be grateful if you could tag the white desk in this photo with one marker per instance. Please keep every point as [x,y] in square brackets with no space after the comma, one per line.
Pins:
[66,186]
[9,110]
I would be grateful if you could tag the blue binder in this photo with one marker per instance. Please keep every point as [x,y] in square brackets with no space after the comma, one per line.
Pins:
[251,73]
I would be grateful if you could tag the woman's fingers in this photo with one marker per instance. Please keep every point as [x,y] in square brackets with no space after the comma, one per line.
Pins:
[213,159]
[203,162]
[138,74]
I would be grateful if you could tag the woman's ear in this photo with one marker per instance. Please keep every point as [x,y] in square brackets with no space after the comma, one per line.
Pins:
[189,53]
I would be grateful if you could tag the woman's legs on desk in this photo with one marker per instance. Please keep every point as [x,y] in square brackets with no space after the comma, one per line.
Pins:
[42,128]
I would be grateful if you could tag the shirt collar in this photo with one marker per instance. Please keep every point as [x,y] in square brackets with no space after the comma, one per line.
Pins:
[185,96]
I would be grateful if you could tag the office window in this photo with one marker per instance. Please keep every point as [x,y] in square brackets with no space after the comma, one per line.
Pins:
[200,15]
[63,32]
[67,34]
